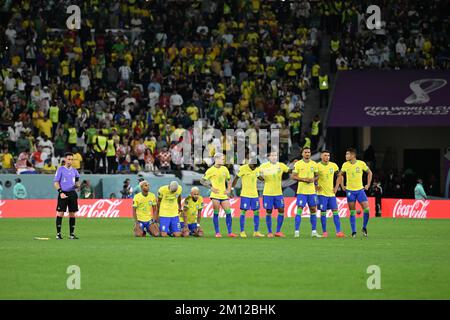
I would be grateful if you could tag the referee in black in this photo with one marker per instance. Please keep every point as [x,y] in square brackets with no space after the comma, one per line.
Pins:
[67,181]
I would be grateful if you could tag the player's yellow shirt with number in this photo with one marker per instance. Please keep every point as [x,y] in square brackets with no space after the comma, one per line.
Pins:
[249,181]
[326,178]
[192,208]
[272,174]
[168,201]
[354,174]
[305,170]
[144,206]
[218,178]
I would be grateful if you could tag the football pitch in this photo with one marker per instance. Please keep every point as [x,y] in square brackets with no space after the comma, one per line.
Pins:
[413,257]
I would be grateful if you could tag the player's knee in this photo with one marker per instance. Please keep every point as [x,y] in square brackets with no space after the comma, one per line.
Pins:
[164,234]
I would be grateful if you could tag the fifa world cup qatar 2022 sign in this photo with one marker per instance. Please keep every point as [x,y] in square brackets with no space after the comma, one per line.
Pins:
[391,98]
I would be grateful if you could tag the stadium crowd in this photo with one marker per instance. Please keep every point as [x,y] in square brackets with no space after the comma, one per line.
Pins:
[115,95]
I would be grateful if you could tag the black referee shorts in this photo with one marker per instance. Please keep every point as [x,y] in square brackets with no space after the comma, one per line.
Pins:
[70,202]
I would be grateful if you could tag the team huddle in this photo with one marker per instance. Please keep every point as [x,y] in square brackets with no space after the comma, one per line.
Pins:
[318,183]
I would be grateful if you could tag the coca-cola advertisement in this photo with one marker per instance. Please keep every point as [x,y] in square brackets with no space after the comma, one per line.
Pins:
[121,208]
[415,209]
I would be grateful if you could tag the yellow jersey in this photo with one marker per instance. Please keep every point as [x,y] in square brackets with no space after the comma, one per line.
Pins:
[354,173]
[272,174]
[218,178]
[192,208]
[168,201]
[144,206]
[305,170]
[326,178]
[249,181]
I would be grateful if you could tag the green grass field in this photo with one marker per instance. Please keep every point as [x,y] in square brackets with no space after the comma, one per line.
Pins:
[414,257]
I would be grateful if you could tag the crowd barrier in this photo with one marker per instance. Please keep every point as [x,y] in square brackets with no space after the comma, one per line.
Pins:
[121,208]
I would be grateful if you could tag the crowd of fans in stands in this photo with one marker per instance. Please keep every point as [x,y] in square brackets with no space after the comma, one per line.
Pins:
[152,68]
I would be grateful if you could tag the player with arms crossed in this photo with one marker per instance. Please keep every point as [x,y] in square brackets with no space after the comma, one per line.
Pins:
[271,173]
[168,209]
[192,212]
[327,193]
[217,178]
[353,170]
[144,209]
[67,181]
[306,173]
[249,196]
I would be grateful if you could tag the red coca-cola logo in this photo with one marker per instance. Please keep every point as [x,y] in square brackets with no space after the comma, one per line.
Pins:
[104,208]
[415,210]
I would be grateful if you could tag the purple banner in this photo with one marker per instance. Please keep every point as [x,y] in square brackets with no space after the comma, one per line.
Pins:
[391,99]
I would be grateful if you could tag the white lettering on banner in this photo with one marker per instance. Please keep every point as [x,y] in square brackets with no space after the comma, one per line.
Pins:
[342,209]
[208,210]
[415,210]
[375,111]
[1,205]
[100,209]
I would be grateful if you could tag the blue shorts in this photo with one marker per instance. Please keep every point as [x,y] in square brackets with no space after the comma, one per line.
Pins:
[249,203]
[306,199]
[169,224]
[145,225]
[327,203]
[220,200]
[273,202]
[353,196]
[191,226]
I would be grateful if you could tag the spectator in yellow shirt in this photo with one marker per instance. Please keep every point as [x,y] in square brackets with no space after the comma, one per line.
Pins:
[46,127]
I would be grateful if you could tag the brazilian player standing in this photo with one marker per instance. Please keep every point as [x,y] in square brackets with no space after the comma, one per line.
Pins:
[326,193]
[144,211]
[271,173]
[249,196]
[306,173]
[353,171]
[218,178]
[192,212]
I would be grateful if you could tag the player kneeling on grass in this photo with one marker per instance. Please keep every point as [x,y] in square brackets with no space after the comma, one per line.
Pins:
[169,209]
[144,208]
[192,212]
[249,196]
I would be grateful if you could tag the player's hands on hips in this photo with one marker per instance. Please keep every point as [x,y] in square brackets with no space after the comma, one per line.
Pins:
[214,190]
[63,195]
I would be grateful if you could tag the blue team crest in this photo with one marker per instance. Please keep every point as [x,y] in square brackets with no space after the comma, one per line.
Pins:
[331,170]
[311,169]
[150,202]
[357,169]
